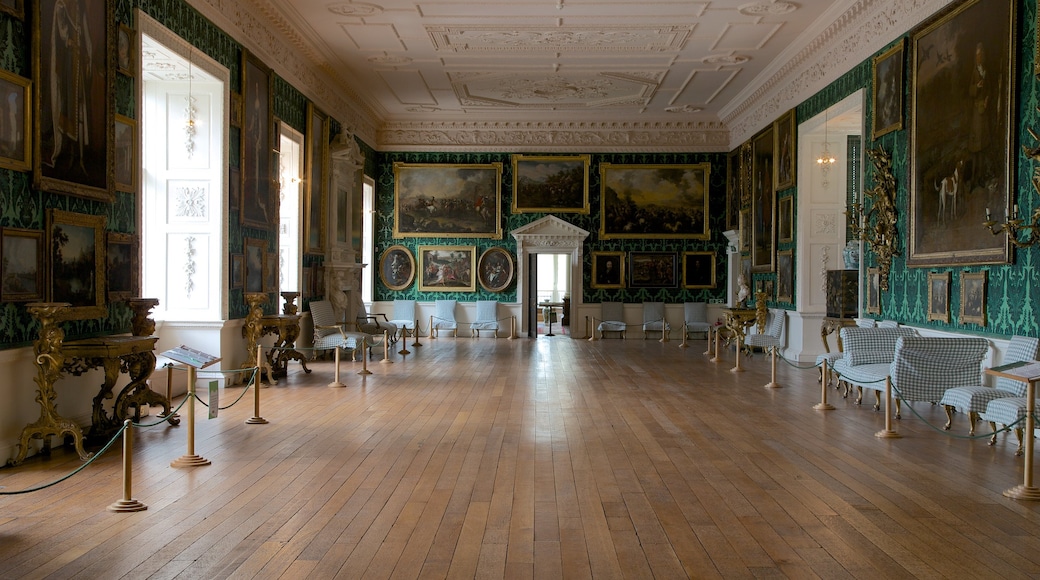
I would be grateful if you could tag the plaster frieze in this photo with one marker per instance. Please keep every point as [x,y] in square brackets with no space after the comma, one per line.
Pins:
[859,32]
[264,30]
[555,137]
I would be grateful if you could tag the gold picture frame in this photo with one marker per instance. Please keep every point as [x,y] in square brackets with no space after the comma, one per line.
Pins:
[973,298]
[551,184]
[889,83]
[397,267]
[76,258]
[785,276]
[608,270]
[78,164]
[785,148]
[125,138]
[698,270]
[23,267]
[939,296]
[495,269]
[122,267]
[447,268]
[259,200]
[126,61]
[733,189]
[654,201]
[785,220]
[16,140]
[763,204]
[314,230]
[439,200]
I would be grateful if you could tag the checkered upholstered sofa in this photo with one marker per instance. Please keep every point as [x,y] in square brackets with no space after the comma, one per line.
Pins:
[866,358]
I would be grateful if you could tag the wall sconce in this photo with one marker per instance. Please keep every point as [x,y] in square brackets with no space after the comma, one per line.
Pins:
[1015,226]
[877,227]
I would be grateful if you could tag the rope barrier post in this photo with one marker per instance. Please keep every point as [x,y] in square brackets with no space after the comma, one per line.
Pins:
[415,334]
[337,382]
[708,350]
[740,347]
[189,459]
[256,419]
[664,331]
[404,342]
[169,393]
[386,349]
[432,336]
[683,343]
[260,366]
[128,503]
[823,405]
[512,327]
[364,360]
[716,358]
[772,384]
[1026,490]
[592,336]
[887,432]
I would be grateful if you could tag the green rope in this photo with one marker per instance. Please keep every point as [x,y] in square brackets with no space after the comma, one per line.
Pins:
[249,383]
[75,471]
[795,365]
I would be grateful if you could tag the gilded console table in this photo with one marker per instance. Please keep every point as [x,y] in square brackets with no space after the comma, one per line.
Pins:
[831,325]
[285,327]
[54,355]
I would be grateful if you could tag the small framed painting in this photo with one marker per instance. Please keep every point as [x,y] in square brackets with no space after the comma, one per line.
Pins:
[785,219]
[447,268]
[608,270]
[23,265]
[397,267]
[495,269]
[237,274]
[652,269]
[698,270]
[15,135]
[123,269]
[973,298]
[126,154]
[785,275]
[939,296]
[255,251]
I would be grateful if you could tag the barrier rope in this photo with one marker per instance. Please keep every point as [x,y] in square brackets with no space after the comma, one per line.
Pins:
[74,471]
[796,365]
[249,383]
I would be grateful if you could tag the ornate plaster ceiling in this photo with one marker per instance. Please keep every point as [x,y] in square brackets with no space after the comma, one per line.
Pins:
[559,74]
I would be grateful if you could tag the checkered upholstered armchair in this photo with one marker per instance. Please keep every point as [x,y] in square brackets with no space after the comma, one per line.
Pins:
[327,333]
[613,314]
[924,368]
[974,399]
[773,334]
[695,317]
[866,357]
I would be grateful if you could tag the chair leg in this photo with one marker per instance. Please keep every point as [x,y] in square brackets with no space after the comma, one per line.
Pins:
[949,417]
[1018,433]
[993,437]
[973,418]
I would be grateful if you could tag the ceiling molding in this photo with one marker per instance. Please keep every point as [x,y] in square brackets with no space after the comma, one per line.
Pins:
[554,137]
[859,32]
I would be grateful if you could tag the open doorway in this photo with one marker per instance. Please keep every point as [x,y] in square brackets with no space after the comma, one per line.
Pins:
[552,282]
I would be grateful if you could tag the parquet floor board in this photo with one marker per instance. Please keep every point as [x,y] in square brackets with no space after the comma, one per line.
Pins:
[547,458]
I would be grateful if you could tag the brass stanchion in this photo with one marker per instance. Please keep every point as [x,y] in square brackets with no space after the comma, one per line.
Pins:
[683,343]
[127,504]
[664,331]
[337,382]
[592,335]
[169,394]
[260,366]
[512,327]
[364,360]
[404,341]
[189,459]
[1026,490]
[708,351]
[772,384]
[716,358]
[823,405]
[415,334]
[887,432]
[386,349]
[432,336]
[256,419]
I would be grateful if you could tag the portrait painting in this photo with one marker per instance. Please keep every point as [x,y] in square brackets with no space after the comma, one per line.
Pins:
[785,220]
[258,206]
[237,275]
[558,184]
[873,291]
[126,154]
[765,286]
[962,139]
[397,268]
[939,296]
[608,270]
[76,246]
[888,90]
[317,179]
[785,276]
[698,270]
[784,130]
[657,201]
[255,251]
[14,122]
[122,267]
[973,298]
[125,61]
[652,270]
[438,200]
[763,207]
[21,265]
[73,112]
[15,8]
[447,268]
[495,269]
[733,190]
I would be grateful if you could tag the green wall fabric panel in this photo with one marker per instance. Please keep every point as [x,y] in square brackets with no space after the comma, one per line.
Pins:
[590,222]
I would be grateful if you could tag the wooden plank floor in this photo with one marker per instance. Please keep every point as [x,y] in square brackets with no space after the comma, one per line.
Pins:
[545,458]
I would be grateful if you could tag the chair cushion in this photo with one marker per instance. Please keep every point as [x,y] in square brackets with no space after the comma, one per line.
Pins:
[444,315]
[1006,410]
[971,399]
[612,326]
[871,345]
[870,376]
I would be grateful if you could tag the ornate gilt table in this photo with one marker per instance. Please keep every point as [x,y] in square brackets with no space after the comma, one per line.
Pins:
[285,327]
[831,325]
[737,321]
[53,355]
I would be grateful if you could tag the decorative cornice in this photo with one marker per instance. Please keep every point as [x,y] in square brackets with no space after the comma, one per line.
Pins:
[554,137]
[265,30]
[859,32]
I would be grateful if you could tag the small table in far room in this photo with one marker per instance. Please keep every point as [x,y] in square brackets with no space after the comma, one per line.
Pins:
[548,313]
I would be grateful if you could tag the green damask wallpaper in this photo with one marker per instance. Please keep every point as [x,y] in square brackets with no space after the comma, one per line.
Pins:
[384,177]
